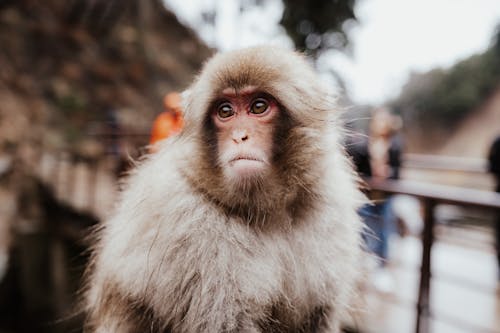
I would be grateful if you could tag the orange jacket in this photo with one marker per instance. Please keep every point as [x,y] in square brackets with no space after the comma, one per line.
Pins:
[165,125]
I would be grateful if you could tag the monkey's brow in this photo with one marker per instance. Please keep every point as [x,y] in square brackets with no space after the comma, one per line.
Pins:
[233,92]
[257,93]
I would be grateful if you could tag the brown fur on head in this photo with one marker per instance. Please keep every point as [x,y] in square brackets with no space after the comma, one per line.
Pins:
[297,150]
[285,75]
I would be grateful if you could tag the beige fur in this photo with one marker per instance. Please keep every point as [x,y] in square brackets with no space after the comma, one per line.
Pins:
[187,252]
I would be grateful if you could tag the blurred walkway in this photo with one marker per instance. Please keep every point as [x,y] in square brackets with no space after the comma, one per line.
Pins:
[86,187]
[464,294]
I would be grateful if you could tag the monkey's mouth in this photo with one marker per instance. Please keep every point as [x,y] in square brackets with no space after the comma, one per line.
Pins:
[244,165]
[246,158]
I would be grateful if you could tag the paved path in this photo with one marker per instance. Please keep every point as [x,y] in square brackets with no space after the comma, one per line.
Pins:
[464,294]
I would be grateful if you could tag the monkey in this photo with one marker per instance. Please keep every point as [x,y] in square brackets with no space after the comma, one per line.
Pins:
[246,221]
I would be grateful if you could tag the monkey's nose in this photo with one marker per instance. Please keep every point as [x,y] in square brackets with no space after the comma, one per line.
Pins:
[240,136]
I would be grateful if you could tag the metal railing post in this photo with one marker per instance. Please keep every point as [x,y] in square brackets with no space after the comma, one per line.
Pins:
[423,311]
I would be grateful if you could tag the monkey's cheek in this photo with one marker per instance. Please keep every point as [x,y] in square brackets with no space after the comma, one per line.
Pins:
[244,168]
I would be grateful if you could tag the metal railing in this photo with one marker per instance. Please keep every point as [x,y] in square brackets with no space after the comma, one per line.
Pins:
[431,195]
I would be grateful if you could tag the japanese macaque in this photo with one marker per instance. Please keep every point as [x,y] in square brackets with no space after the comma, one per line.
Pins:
[244,222]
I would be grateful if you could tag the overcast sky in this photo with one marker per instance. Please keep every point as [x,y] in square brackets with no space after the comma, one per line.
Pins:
[391,39]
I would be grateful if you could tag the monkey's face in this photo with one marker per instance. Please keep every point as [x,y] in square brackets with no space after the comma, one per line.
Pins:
[244,121]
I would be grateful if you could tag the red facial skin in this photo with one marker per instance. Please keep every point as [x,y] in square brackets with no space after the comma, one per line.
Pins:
[245,123]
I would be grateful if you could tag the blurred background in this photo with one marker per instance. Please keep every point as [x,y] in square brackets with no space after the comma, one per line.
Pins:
[82,81]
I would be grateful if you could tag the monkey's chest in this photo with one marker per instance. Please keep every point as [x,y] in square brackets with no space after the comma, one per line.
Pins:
[285,283]
[274,283]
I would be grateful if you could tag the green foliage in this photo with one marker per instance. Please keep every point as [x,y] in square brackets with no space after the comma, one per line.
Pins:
[71,103]
[316,25]
[441,98]
[73,114]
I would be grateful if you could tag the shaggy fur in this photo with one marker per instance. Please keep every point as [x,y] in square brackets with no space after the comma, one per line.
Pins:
[186,251]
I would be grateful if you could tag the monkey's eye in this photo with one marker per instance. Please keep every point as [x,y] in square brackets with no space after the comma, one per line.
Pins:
[225,111]
[259,106]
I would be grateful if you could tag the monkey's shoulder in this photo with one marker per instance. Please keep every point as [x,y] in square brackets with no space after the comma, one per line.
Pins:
[156,195]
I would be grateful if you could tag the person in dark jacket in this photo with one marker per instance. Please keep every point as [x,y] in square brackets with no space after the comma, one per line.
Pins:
[494,168]
[379,157]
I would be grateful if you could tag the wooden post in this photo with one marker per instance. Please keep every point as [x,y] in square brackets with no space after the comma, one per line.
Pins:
[423,310]
[93,170]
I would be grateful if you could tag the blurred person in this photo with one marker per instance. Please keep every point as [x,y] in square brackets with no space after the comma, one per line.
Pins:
[113,132]
[378,156]
[114,142]
[494,168]
[384,146]
[169,122]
